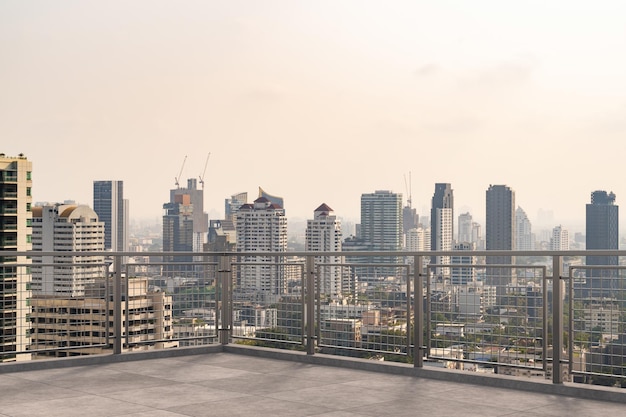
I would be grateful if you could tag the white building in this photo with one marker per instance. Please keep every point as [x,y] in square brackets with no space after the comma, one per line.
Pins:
[261,227]
[524,239]
[460,275]
[559,239]
[66,228]
[323,234]
[443,223]
[465,228]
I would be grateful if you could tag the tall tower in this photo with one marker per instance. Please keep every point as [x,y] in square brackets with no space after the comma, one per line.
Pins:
[195,212]
[112,209]
[559,239]
[15,235]
[178,233]
[523,231]
[602,227]
[500,234]
[66,228]
[323,234]
[262,227]
[381,229]
[442,223]
[465,228]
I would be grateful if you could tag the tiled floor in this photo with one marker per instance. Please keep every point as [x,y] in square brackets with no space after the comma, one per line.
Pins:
[227,384]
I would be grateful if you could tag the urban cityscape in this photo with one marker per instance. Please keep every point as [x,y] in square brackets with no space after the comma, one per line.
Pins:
[407,192]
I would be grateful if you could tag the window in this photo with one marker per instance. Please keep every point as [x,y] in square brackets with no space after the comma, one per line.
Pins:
[29,222]
[29,239]
[28,191]
[28,206]
[28,175]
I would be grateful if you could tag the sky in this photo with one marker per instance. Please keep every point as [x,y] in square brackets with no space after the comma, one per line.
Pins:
[319,101]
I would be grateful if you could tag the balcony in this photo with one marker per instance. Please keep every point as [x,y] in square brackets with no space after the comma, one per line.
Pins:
[377,346]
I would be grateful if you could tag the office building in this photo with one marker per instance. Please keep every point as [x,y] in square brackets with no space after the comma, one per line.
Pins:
[465,228]
[112,210]
[442,224]
[323,234]
[261,227]
[381,230]
[500,235]
[232,205]
[193,210]
[15,235]
[524,238]
[602,233]
[66,228]
[463,272]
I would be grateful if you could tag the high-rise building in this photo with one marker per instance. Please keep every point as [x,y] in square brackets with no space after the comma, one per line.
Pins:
[15,235]
[261,227]
[602,232]
[523,231]
[194,211]
[232,205]
[559,239]
[465,228]
[442,224]
[461,275]
[500,234]
[113,211]
[66,228]
[381,230]
[323,234]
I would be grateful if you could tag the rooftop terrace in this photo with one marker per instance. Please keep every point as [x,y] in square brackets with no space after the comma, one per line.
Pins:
[243,381]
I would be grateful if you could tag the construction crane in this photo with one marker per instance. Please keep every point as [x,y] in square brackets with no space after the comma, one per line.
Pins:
[180,173]
[408,189]
[203,172]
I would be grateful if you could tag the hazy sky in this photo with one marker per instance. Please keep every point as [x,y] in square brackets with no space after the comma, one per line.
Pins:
[319,101]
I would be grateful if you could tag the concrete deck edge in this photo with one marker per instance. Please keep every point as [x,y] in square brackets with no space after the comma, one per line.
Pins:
[584,391]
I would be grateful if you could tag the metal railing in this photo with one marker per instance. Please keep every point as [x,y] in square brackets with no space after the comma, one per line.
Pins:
[549,315]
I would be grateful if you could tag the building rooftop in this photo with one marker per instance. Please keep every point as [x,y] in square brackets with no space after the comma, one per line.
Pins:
[234,381]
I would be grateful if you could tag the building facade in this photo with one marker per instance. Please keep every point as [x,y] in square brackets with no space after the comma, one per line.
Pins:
[524,239]
[15,235]
[500,234]
[381,230]
[66,228]
[113,211]
[602,232]
[261,227]
[442,224]
[323,234]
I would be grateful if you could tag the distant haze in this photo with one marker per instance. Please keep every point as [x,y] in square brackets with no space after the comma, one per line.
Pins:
[319,101]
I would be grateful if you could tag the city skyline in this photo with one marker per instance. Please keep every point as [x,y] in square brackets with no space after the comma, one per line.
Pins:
[530,96]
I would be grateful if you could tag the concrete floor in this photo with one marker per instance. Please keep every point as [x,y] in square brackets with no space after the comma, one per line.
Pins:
[231,384]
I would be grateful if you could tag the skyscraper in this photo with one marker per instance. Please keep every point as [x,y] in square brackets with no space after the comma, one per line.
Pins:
[261,227]
[178,233]
[465,228]
[15,235]
[442,224]
[500,234]
[112,209]
[194,211]
[559,239]
[66,228]
[523,231]
[381,229]
[602,232]
[323,234]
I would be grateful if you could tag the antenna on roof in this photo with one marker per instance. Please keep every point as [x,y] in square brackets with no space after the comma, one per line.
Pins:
[203,172]
[180,173]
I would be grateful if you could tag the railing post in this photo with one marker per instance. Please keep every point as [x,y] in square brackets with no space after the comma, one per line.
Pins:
[224,278]
[117,306]
[310,305]
[418,312]
[557,319]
